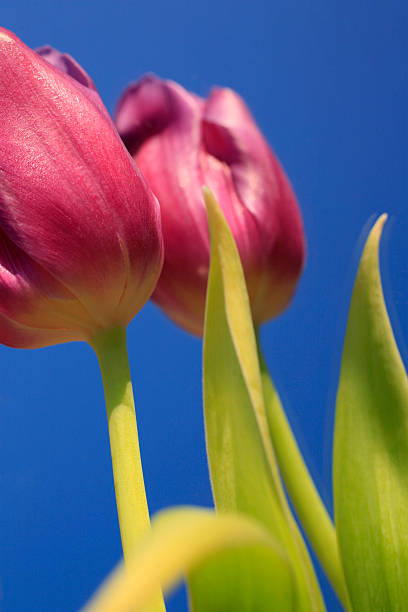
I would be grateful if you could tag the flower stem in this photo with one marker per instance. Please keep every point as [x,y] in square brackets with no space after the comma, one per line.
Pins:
[306,500]
[133,513]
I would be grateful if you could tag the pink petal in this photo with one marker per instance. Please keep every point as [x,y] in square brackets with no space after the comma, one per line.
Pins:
[66,64]
[160,123]
[181,143]
[275,236]
[71,198]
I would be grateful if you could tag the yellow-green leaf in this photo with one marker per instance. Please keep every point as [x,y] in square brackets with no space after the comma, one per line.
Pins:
[243,567]
[305,497]
[371,448]
[243,467]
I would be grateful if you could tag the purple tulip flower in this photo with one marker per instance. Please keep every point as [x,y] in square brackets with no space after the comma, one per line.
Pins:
[182,142]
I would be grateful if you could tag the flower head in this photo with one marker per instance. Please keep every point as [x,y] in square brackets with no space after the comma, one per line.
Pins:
[182,142]
[80,232]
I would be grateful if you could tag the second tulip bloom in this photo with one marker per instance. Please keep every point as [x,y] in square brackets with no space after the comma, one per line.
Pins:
[182,142]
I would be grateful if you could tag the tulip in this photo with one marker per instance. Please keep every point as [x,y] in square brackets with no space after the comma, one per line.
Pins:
[182,142]
[81,244]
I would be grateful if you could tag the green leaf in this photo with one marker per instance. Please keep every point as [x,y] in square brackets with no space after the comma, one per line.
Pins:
[243,568]
[371,448]
[305,497]
[243,579]
[243,467]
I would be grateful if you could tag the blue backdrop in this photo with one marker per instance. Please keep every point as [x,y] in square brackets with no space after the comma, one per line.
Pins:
[327,83]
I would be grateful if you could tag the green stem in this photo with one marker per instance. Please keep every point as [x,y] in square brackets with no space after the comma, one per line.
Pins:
[133,513]
[306,500]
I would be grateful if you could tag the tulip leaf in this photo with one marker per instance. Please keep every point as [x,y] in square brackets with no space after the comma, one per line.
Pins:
[242,463]
[310,509]
[233,564]
[371,448]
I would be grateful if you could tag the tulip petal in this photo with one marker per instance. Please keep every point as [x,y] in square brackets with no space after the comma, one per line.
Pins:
[29,293]
[160,123]
[17,335]
[70,195]
[66,64]
[231,135]
[144,110]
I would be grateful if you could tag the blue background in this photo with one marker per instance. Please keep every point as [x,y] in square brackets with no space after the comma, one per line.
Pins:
[327,83]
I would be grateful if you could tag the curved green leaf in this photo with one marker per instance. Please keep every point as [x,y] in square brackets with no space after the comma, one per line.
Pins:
[371,448]
[243,568]
[242,462]
[312,513]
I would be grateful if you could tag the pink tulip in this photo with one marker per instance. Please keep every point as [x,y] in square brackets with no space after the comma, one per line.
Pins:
[81,243]
[182,142]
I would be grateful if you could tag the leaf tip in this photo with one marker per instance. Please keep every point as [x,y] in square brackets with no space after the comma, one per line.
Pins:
[370,253]
[211,203]
[376,231]
[381,221]
[207,193]
[215,216]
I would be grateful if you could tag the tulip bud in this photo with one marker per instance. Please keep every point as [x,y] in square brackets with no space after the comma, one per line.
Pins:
[81,243]
[182,142]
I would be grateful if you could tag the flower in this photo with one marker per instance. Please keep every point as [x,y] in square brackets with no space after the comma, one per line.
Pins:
[182,142]
[80,231]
